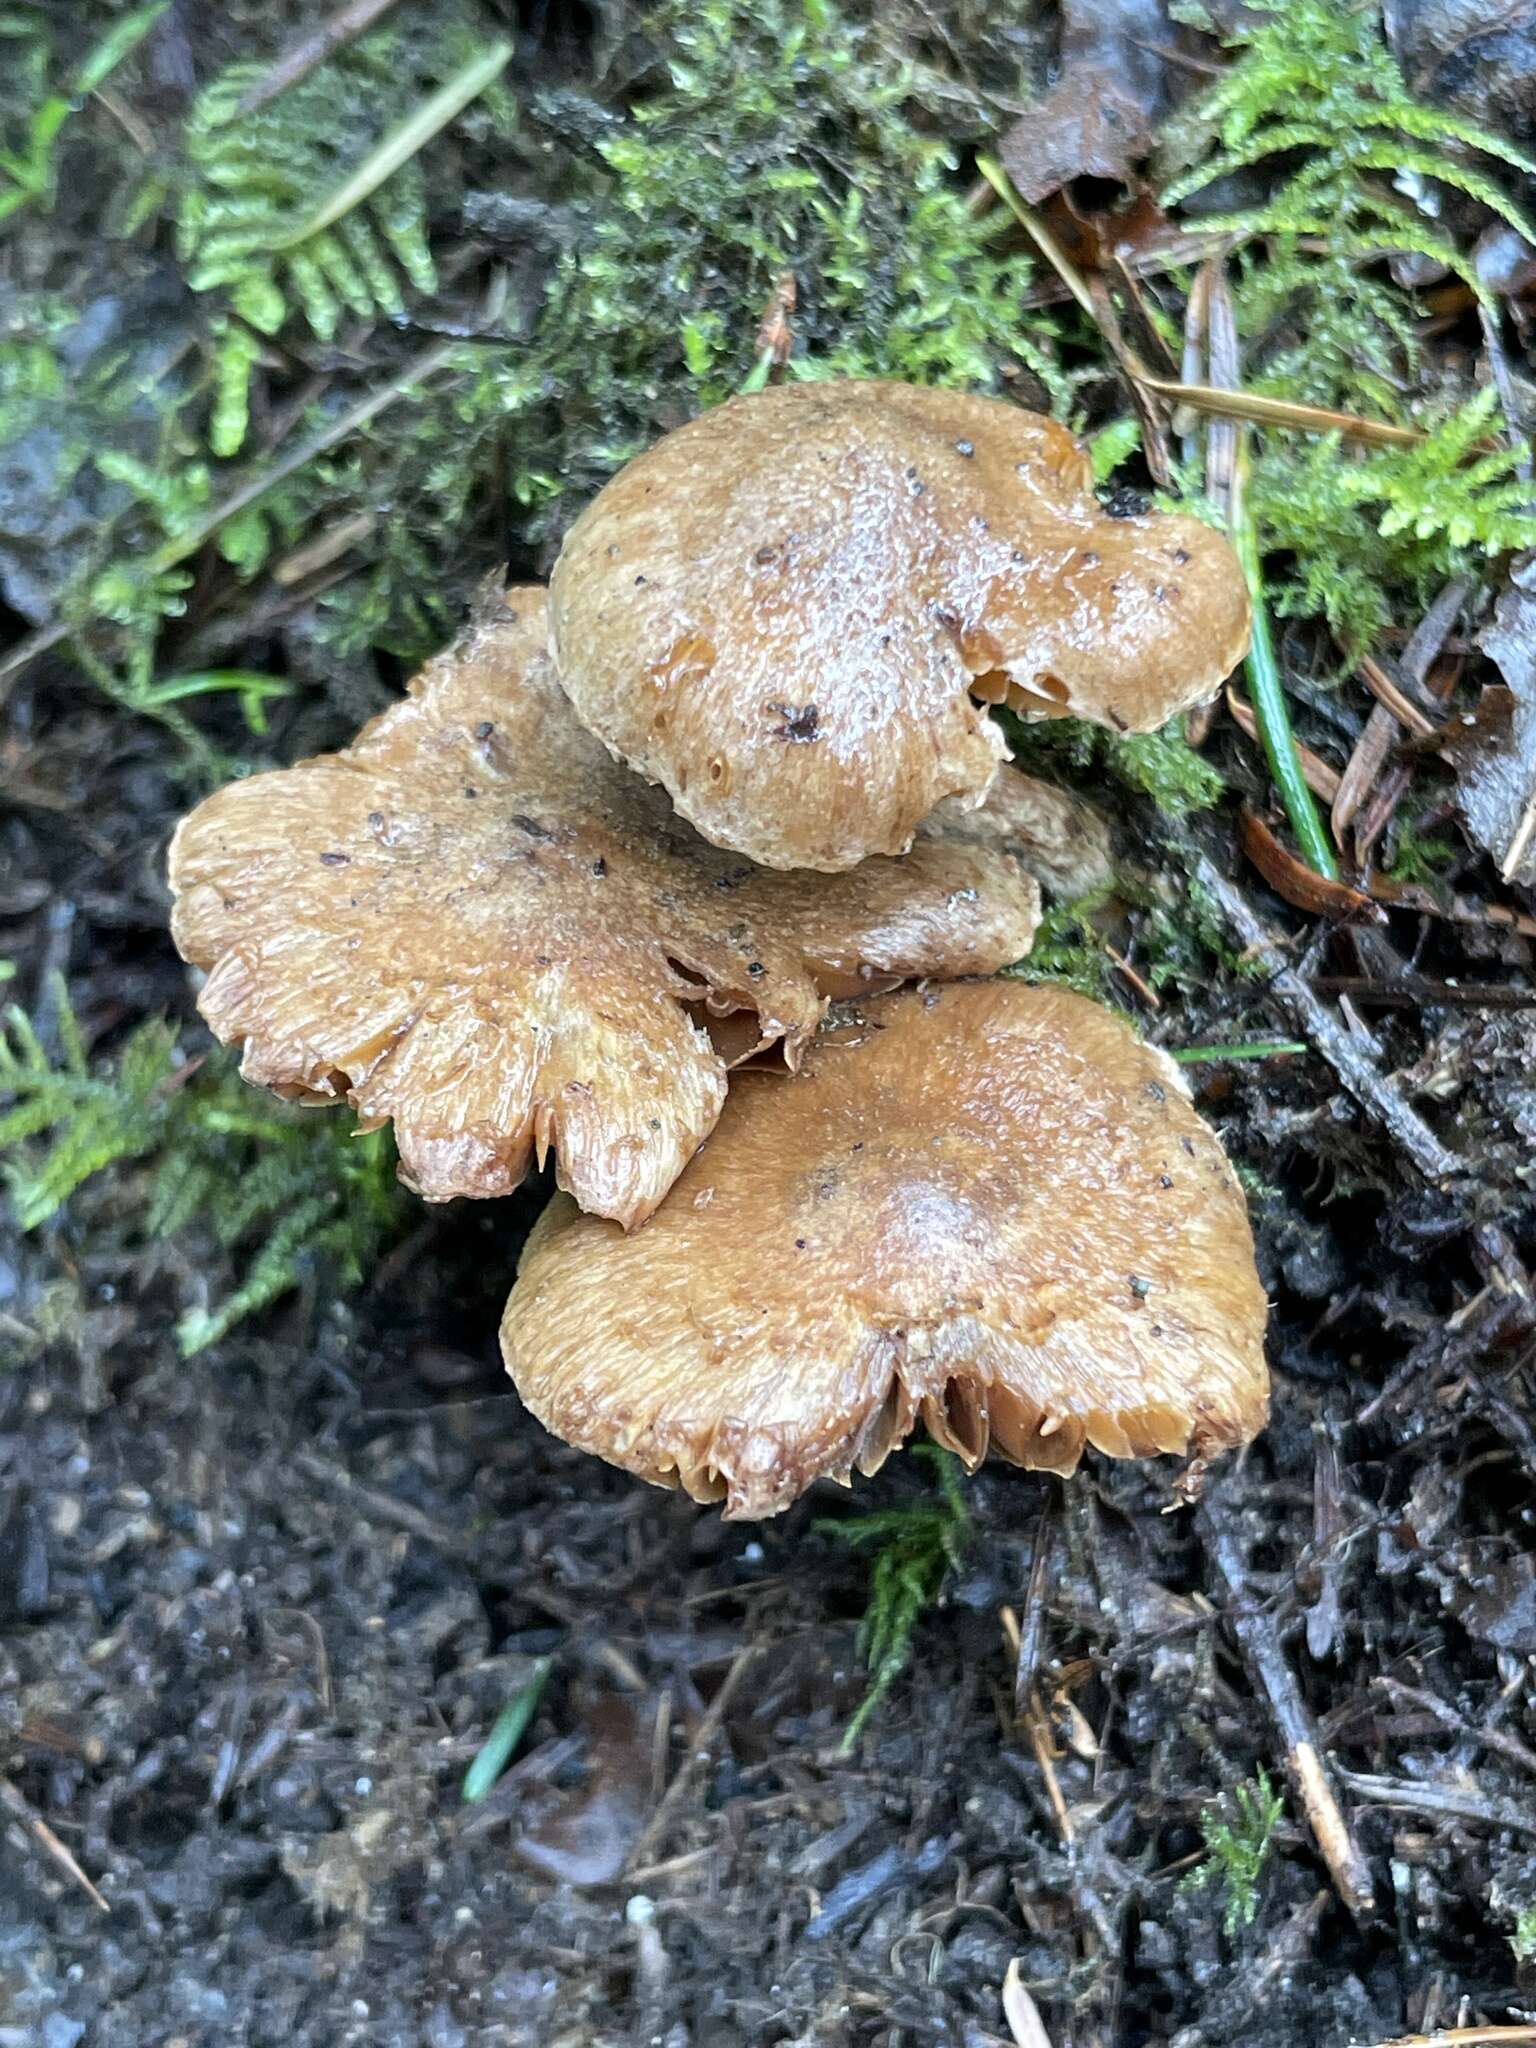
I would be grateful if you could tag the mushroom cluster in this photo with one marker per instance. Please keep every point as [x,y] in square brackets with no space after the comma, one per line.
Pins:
[594,885]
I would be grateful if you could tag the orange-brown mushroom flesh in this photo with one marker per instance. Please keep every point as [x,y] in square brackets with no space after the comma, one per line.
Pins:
[987,1206]
[474,923]
[786,610]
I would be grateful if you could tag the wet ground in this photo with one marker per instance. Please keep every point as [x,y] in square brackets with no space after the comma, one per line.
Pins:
[261,1609]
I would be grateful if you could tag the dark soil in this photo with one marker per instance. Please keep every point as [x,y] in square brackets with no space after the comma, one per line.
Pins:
[259,1610]
[262,1607]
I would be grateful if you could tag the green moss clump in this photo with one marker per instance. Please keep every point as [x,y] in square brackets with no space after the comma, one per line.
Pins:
[1068,951]
[280,1190]
[786,136]
[1159,765]
[1238,1835]
[912,1550]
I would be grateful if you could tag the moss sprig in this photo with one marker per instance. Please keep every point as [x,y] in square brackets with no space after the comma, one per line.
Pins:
[281,1192]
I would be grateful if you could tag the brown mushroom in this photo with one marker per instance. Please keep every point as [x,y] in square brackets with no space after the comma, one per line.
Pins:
[474,923]
[988,1206]
[786,610]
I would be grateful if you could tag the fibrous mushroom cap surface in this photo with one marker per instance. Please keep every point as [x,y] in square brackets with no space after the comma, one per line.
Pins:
[781,611]
[474,923]
[988,1206]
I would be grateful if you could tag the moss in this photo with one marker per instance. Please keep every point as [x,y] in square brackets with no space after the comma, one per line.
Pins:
[1315,114]
[1159,765]
[1238,1833]
[1068,951]
[912,1550]
[787,136]
[279,1190]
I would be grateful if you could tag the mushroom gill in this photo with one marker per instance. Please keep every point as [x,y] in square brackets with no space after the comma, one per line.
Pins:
[987,1206]
[474,923]
[786,611]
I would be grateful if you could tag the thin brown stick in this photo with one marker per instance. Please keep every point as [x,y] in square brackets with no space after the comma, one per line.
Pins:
[1253,406]
[1265,1656]
[311,51]
[417,371]
[1040,1743]
[1391,698]
[1447,1716]
[1362,770]
[655,1828]
[1463,2037]
[1322,776]
[17,1805]
[1354,1058]
[1446,1802]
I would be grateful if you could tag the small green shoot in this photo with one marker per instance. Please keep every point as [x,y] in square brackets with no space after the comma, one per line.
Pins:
[511,1725]
[1523,1940]
[1256,1049]
[913,1551]
[1237,1834]
[1270,708]
[254,690]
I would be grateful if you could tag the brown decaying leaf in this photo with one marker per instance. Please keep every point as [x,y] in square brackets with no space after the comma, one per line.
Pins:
[1296,882]
[987,1207]
[472,922]
[1494,750]
[1115,87]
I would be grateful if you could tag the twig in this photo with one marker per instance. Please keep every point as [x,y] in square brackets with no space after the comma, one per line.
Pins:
[1265,1655]
[1448,1802]
[401,144]
[1040,1743]
[1322,777]
[1372,751]
[1490,1738]
[655,1828]
[1352,1057]
[1462,2037]
[17,1805]
[377,1505]
[1419,992]
[311,51]
[1029,1635]
[1395,700]
[1231,405]
[177,550]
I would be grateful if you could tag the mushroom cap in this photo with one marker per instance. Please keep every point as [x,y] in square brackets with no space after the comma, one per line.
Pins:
[473,922]
[785,611]
[989,1206]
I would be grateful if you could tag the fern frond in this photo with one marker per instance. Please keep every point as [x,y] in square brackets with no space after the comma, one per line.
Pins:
[285,1193]
[275,217]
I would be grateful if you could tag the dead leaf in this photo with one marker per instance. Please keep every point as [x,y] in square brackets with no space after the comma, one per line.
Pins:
[1296,882]
[1478,56]
[1115,87]
[584,1837]
[1493,748]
